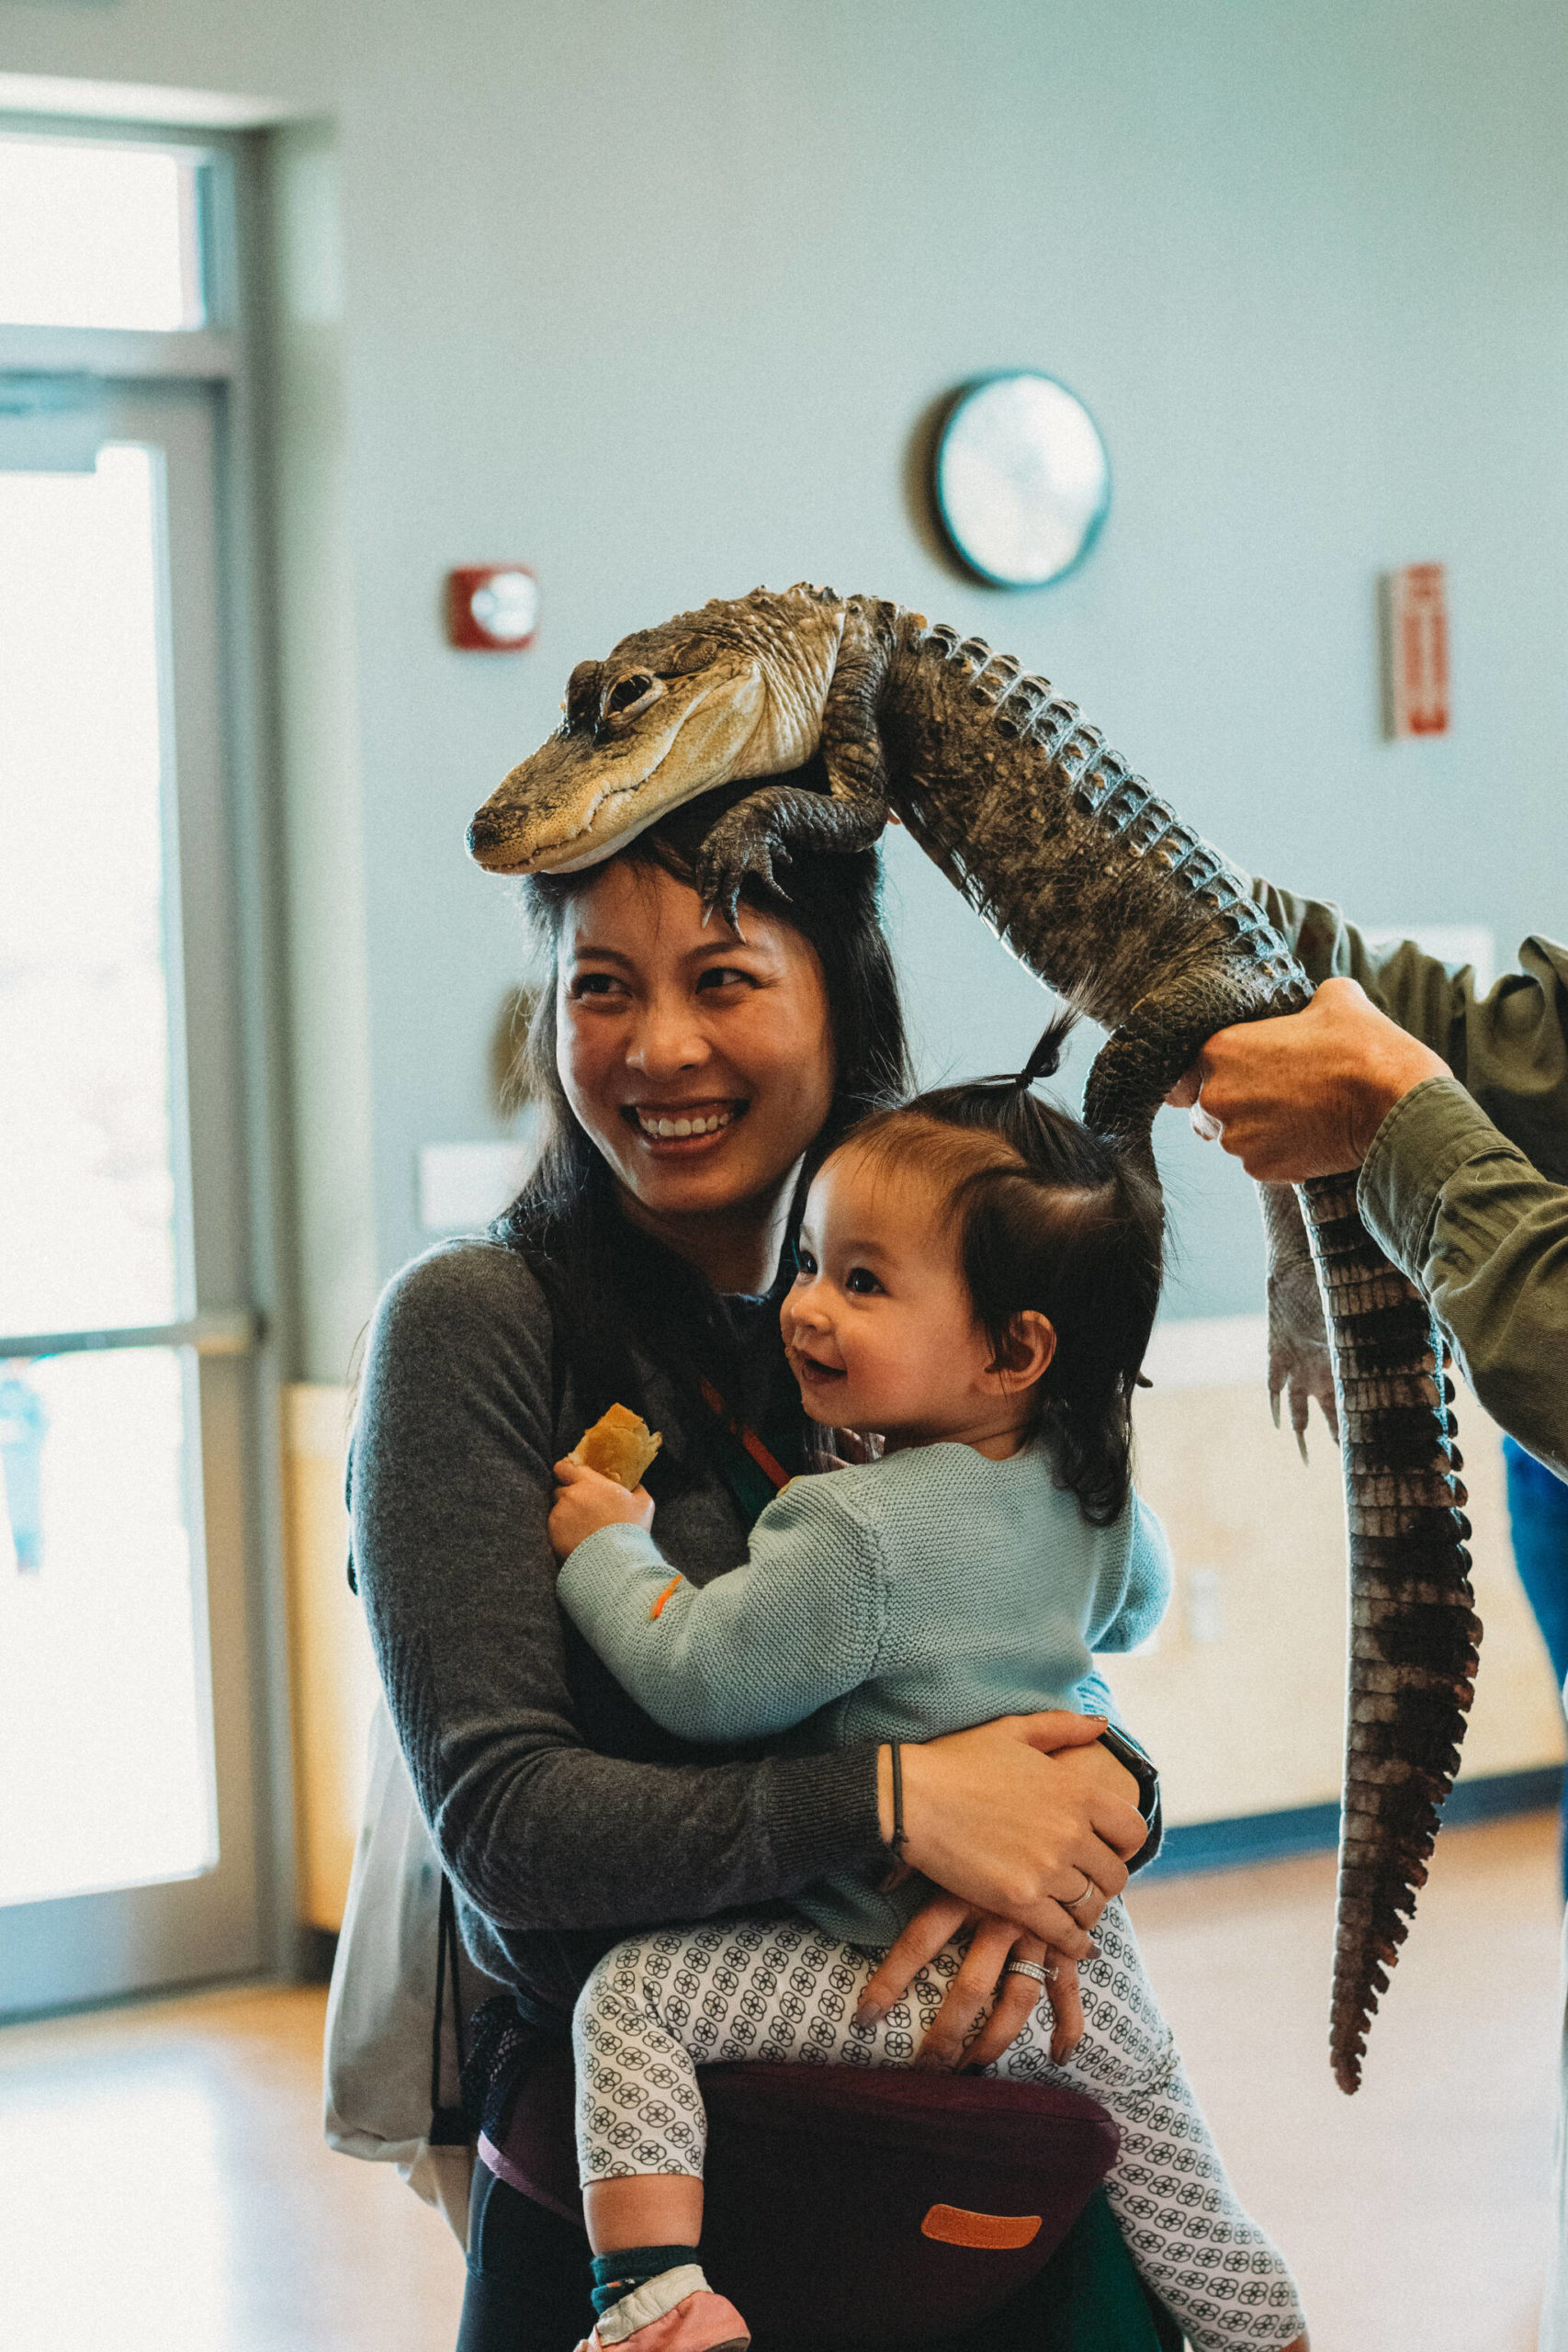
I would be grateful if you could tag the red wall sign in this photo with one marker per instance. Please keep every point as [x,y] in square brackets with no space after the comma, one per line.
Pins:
[492,608]
[1416,650]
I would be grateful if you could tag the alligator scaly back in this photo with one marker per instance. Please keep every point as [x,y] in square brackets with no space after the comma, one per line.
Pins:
[1102,890]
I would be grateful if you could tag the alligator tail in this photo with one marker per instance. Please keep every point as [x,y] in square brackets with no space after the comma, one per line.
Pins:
[1413,1626]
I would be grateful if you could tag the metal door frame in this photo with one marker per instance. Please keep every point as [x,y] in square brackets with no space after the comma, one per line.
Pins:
[230,906]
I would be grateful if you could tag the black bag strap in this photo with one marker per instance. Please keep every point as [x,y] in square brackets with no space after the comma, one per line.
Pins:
[448,2124]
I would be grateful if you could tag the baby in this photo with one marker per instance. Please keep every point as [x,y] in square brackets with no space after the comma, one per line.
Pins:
[977,1278]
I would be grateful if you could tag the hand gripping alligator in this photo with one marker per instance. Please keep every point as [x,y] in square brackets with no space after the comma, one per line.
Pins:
[1108,898]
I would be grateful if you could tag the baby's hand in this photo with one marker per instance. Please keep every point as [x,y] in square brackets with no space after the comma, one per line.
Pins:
[586,1500]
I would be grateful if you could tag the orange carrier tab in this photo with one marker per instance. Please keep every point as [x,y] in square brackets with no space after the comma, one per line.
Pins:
[996,2232]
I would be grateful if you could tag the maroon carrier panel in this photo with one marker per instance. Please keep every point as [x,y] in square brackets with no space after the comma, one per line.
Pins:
[856,2207]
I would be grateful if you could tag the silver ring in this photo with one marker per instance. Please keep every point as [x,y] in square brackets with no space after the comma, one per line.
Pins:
[1085,1891]
[1030,1968]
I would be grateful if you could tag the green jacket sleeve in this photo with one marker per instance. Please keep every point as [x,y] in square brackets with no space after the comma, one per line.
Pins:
[1485,1235]
[1508,1047]
[798,1624]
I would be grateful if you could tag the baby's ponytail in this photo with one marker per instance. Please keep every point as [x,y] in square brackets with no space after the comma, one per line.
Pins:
[1043,1062]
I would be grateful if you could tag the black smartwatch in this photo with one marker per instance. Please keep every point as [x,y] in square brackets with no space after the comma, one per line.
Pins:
[1126,1752]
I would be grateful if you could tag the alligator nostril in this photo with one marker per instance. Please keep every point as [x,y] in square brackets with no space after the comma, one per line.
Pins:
[485,831]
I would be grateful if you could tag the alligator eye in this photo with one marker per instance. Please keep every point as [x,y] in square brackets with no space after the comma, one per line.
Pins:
[627,692]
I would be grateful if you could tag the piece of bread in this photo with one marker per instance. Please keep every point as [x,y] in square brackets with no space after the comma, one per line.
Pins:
[620,1446]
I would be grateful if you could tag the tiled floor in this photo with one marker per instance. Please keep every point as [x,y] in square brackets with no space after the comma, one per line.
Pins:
[164,2188]
[163,2182]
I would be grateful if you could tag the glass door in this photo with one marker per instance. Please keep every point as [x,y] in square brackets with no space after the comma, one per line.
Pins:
[128,1771]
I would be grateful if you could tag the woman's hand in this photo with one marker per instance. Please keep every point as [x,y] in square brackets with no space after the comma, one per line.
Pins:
[586,1500]
[982,1978]
[1026,1818]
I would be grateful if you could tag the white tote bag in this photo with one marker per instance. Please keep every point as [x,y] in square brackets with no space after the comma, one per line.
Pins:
[381,2006]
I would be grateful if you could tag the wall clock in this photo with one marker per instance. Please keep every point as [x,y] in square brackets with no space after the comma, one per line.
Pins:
[1021,479]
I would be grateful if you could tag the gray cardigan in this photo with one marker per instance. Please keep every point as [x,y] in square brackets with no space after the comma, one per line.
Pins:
[564,1815]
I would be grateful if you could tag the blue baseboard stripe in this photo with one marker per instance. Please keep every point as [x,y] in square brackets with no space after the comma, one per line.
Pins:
[1309,1828]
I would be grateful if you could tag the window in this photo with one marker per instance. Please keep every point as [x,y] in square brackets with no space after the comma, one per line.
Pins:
[98,234]
[129,1377]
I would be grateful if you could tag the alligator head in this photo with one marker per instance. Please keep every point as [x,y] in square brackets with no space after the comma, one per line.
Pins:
[735,691]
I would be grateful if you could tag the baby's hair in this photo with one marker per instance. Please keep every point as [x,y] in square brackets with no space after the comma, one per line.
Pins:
[1049,1216]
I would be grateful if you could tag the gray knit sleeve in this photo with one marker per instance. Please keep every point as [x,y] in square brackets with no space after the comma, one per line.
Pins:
[451,1490]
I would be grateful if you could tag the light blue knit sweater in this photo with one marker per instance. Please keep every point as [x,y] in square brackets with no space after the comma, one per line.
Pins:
[918,1595]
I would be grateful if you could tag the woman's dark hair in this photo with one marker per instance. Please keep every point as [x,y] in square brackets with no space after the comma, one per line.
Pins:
[617,1296]
[1049,1216]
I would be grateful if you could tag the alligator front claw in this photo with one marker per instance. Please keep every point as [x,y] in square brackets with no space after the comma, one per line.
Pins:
[759,835]
[732,857]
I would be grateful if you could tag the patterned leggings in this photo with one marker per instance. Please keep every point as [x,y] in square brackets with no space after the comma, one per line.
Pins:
[661,2004]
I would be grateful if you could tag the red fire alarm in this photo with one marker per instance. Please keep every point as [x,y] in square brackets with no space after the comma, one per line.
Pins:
[1415,650]
[492,608]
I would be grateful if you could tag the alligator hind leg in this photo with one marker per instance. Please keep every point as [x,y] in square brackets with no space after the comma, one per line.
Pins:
[1136,1066]
[1299,1366]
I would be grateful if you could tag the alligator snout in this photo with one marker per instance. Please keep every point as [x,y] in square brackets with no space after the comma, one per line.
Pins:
[492,840]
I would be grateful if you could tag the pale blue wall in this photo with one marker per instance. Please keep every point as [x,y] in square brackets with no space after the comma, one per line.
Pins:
[652,297]
[1307,266]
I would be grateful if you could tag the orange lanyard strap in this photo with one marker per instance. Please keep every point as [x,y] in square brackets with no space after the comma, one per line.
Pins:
[771,1468]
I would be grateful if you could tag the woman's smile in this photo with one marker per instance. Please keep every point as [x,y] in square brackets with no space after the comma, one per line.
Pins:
[685,1128]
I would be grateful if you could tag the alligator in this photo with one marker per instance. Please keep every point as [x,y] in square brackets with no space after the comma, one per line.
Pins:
[851,711]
